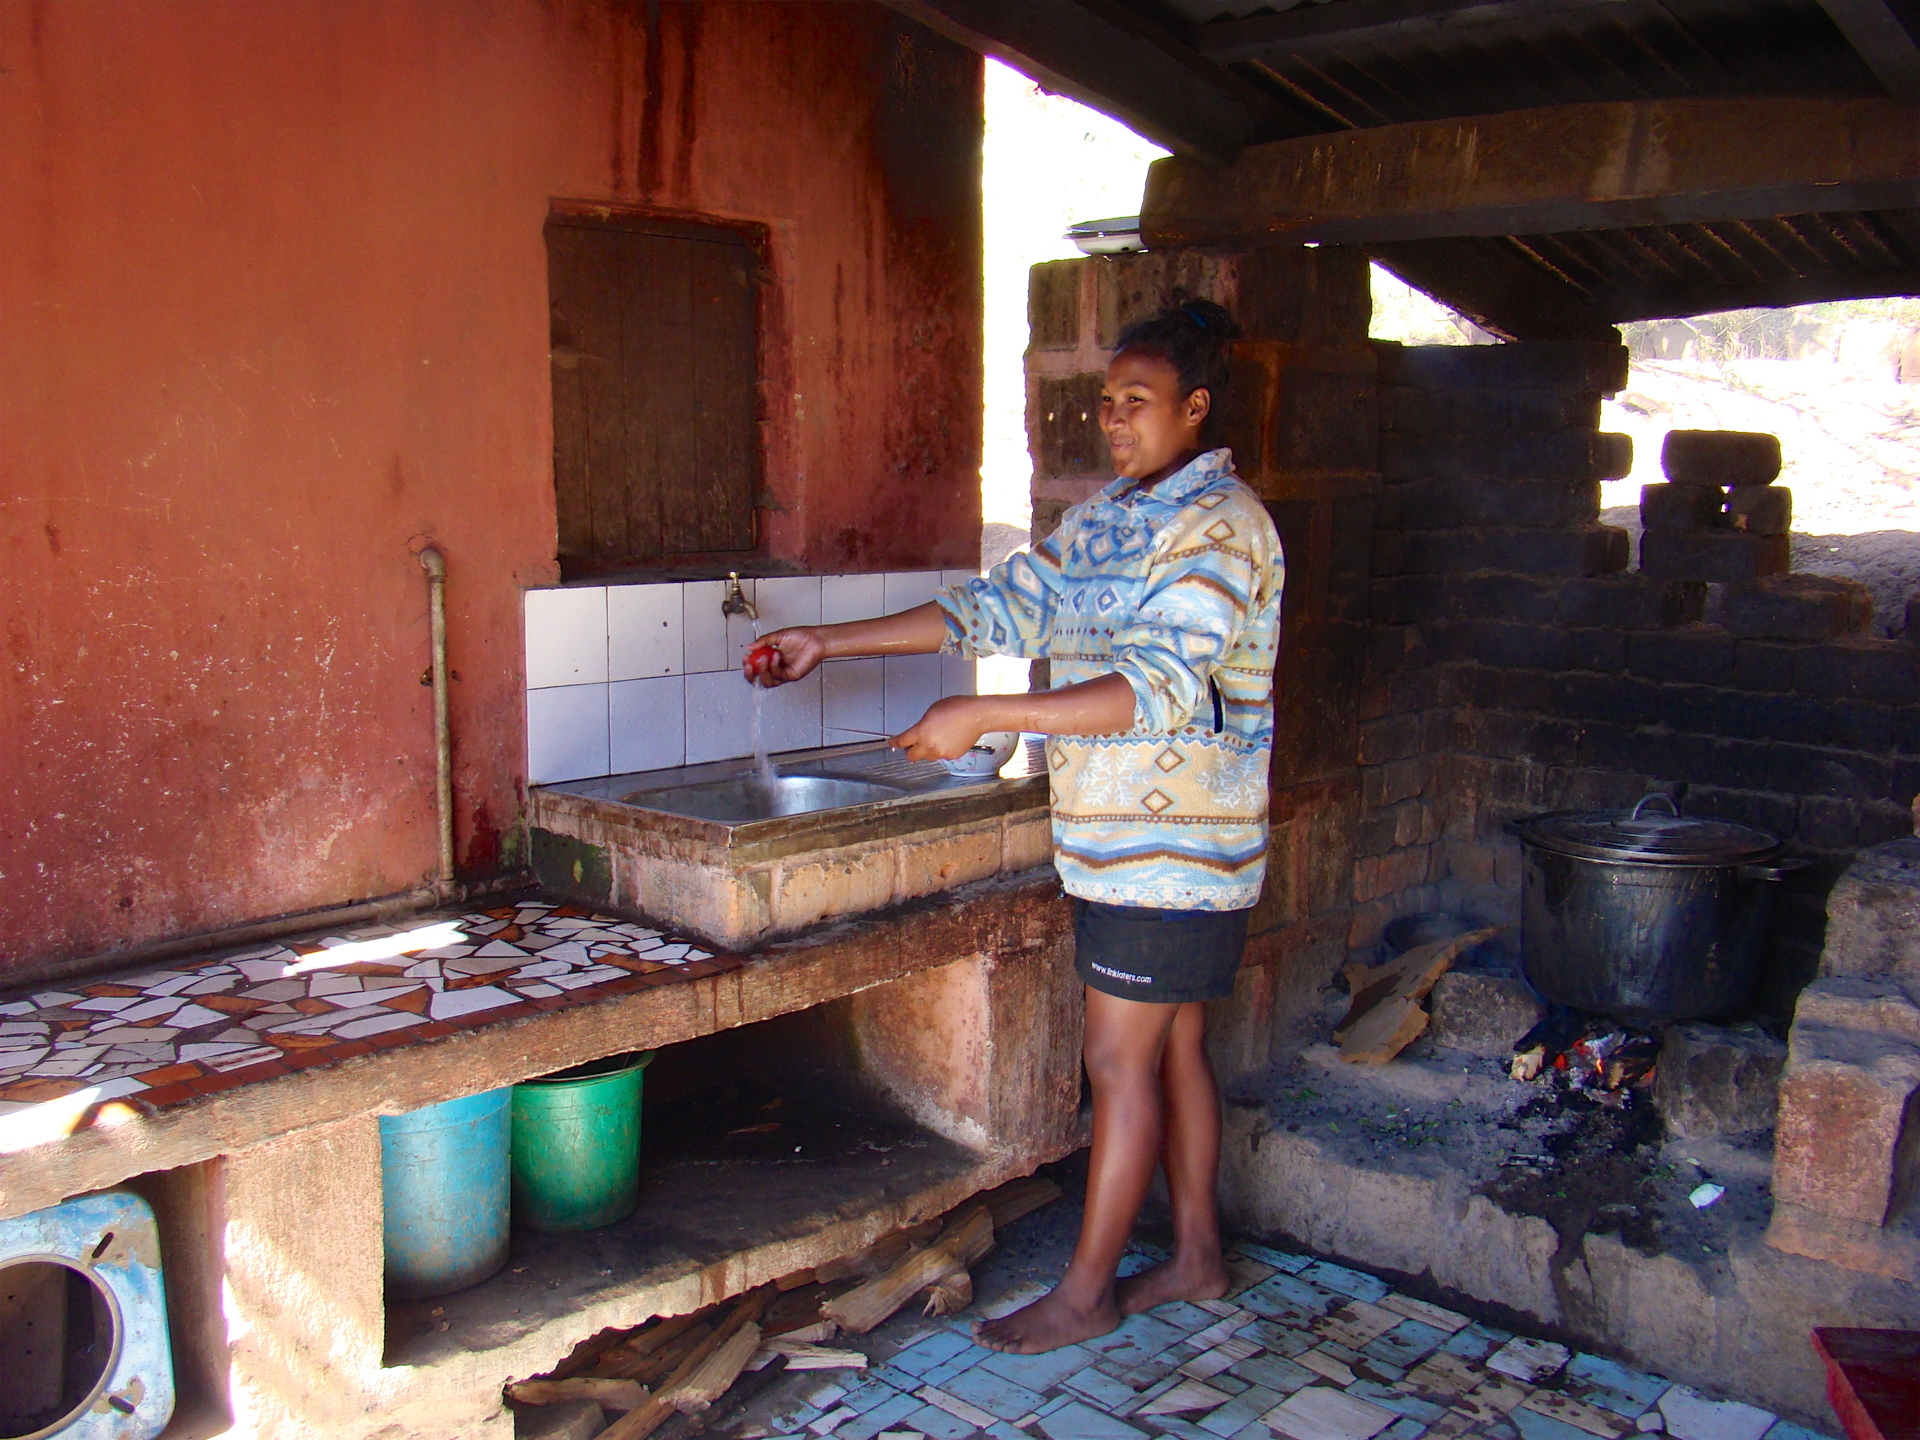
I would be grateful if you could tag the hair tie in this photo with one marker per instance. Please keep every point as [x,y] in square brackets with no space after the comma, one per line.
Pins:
[1192,312]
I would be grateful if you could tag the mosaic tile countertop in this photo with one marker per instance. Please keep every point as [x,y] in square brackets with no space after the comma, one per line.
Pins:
[1303,1350]
[232,1017]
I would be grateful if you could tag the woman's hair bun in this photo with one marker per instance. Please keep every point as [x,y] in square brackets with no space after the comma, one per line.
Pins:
[1194,337]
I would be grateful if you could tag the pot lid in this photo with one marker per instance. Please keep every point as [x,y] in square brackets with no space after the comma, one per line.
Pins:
[1649,836]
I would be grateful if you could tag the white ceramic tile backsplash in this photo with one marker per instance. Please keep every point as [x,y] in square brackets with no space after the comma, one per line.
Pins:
[566,636]
[787,600]
[913,588]
[913,683]
[567,733]
[647,720]
[713,641]
[851,597]
[677,696]
[853,700]
[643,632]
[719,717]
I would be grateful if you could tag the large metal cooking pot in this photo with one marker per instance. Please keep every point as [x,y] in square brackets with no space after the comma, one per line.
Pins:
[1645,915]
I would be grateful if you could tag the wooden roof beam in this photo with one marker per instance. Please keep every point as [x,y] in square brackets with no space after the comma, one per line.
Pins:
[1886,35]
[1103,55]
[1533,172]
[1317,30]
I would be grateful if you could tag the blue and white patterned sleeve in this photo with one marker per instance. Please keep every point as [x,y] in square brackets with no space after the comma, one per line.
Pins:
[1009,610]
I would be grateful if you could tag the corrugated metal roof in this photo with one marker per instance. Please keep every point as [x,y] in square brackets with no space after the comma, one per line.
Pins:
[1629,50]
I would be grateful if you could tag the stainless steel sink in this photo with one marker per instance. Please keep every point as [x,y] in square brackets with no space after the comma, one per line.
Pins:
[740,800]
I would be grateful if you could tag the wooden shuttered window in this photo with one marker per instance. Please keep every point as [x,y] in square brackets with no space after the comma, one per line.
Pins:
[655,348]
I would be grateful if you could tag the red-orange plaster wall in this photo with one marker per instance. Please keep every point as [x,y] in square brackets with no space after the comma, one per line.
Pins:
[273,306]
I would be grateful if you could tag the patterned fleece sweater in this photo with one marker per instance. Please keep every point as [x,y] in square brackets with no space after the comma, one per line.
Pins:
[1177,587]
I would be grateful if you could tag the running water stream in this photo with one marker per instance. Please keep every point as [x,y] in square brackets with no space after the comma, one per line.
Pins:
[764,773]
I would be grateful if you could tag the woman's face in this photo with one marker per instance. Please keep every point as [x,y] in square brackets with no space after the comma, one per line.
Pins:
[1151,428]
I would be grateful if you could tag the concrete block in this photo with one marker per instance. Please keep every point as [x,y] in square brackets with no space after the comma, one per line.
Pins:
[1809,608]
[1630,602]
[1873,914]
[944,861]
[1761,509]
[1724,557]
[1140,286]
[1847,1141]
[1681,507]
[1326,420]
[841,884]
[1712,1080]
[1053,305]
[1483,1012]
[1569,455]
[1064,416]
[1720,457]
[1028,842]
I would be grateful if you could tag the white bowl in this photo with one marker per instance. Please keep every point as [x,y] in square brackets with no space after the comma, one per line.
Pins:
[986,757]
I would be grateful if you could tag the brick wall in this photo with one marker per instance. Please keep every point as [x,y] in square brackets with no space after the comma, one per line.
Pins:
[1517,664]
[1304,431]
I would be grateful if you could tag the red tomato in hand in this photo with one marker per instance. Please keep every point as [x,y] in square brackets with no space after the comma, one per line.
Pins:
[759,660]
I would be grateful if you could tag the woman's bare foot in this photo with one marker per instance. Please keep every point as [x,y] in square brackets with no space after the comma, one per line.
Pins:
[1047,1324]
[1176,1279]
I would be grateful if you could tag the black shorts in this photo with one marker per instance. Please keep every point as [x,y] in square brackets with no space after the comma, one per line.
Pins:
[1162,957]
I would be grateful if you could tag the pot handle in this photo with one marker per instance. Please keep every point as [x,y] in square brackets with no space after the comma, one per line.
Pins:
[1773,869]
[1660,795]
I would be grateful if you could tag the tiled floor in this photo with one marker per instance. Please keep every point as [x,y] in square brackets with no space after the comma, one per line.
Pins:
[1303,1349]
[229,1018]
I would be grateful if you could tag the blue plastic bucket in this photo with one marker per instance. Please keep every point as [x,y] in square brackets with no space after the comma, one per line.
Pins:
[444,1179]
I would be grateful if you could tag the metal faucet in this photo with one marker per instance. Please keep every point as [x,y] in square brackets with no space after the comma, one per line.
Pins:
[736,602]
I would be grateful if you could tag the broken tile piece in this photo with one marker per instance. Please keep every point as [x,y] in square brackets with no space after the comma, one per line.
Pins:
[1074,1421]
[1529,1361]
[1491,1399]
[539,991]
[47,999]
[328,983]
[1578,1413]
[131,1034]
[1321,1363]
[499,950]
[111,1003]
[192,1017]
[379,1024]
[1186,1396]
[1692,1416]
[1440,1319]
[450,1004]
[1317,1413]
[212,985]
[277,990]
[1228,1353]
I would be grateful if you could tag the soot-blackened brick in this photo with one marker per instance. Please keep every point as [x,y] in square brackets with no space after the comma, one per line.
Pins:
[1406,599]
[1807,770]
[1669,755]
[1761,509]
[1389,552]
[1400,457]
[1518,598]
[1720,457]
[1553,410]
[1763,668]
[1739,765]
[1629,602]
[1589,550]
[1621,699]
[1601,650]
[1681,507]
[1740,716]
[1569,455]
[1757,808]
[1724,557]
[1393,738]
[1068,413]
[1858,725]
[1491,688]
[1858,668]
[1522,502]
[1309,297]
[1605,746]
[1694,656]
[1519,647]
[1326,421]
[1808,608]
[1403,408]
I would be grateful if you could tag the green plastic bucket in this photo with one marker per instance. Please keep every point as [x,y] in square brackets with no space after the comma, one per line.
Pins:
[576,1145]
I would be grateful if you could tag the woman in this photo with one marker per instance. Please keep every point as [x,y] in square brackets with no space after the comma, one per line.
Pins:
[1158,604]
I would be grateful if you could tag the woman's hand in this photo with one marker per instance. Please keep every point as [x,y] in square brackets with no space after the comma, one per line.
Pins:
[948,729]
[784,656]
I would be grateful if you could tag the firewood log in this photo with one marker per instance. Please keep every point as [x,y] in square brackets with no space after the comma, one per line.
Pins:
[649,1416]
[613,1394]
[964,1241]
[718,1371]
[951,1295]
